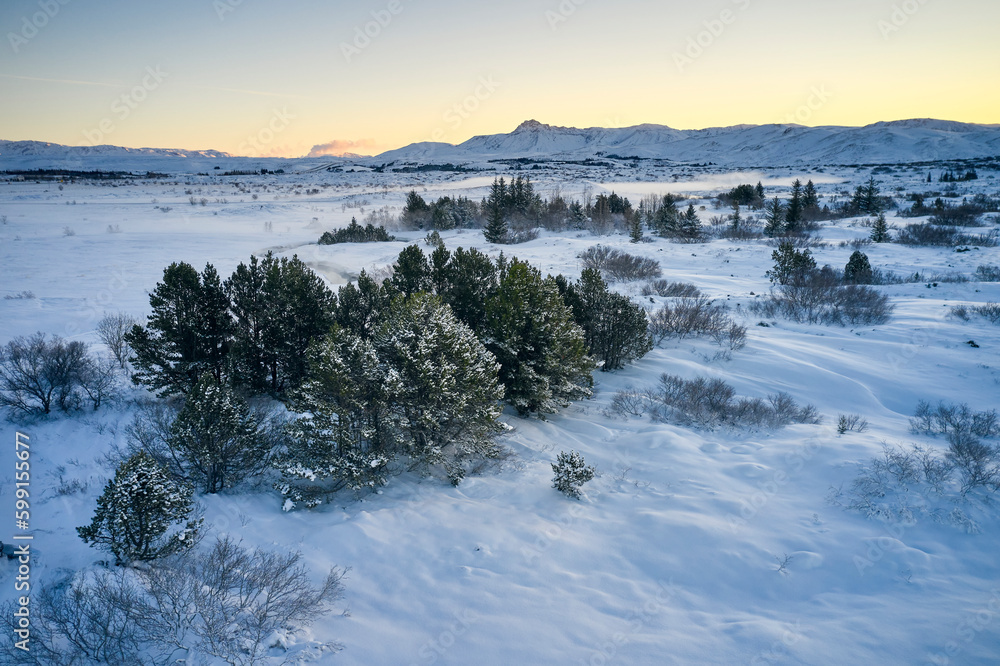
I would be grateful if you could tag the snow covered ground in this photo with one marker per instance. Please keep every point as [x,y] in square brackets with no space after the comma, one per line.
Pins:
[690,547]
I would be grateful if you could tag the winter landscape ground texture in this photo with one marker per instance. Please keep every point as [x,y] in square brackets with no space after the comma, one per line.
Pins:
[691,545]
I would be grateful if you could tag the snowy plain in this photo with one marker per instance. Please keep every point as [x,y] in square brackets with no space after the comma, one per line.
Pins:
[674,554]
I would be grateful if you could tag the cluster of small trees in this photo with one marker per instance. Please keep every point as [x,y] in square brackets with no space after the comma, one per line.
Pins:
[664,217]
[795,217]
[355,233]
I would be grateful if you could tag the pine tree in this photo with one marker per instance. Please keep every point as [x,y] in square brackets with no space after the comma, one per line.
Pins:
[635,228]
[188,333]
[667,217]
[472,280]
[136,512]
[570,473]
[793,213]
[412,272]
[345,436]
[690,225]
[790,265]
[216,441]
[252,310]
[448,398]
[615,329]
[735,220]
[541,350]
[361,306]
[416,212]
[496,230]
[774,218]
[759,191]
[810,200]
[858,269]
[880,230]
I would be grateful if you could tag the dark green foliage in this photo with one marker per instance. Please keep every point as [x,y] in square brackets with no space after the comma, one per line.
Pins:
[361,306]
[496,230]
[615,329]
[412,272]
[794,212]
[790,265]
[858,269]
[541,350]
[188,333]
[416,212]
[774,218]
[867,199]
[355,233]
[743,195]
[137,510]
[810,201]
[216,441]
[279,307]
[467,282]
[880,230]
[570,473]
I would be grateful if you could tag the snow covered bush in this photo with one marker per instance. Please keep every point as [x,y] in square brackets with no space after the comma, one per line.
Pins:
[668,289]
[697,316]
[355,233]
[571,472]
[142,515]
[819,297]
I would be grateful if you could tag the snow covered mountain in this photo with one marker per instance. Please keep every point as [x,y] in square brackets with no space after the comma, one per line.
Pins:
[43,149]
[740,145]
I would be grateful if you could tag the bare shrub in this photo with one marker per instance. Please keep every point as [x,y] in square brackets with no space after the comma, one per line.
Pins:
[943,236]
[619,266]
[988,273]
[112,329]
[732,337]
[711,403]
[948,419]
[628,402]
[819,298]
[37,374]
[688,317]
[668,289]
[851,423]
[226,603]
[978,463]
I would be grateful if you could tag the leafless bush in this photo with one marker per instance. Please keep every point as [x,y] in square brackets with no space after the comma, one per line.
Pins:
[23,295]
[732,337]
[943,236]
[947,419]
[668,289]
[112,329]
[851,423]
[978,463]
[629,402]
[688,317]
[820,299]
[988,273]
[989,311]
[226,603]
[619,266]
[37,374]
[710,403]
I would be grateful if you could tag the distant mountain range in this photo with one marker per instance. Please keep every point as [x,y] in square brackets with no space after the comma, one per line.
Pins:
[741,145]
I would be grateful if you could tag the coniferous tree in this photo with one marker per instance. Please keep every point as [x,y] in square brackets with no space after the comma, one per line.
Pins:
[472,280]
[188,333]
[793,212]
[412,272]
[858,269]
[136,512]
[448,393]
[759,191]
[880,230]
[416,212]
[615,329]
[216,440]
[667,219]
[541,350]
[690,225]
[790,265]
[810,200]
[496,230]
[361,305]
[774,218]
[635,228]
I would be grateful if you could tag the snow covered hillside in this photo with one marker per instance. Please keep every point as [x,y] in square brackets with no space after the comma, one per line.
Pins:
[692,546]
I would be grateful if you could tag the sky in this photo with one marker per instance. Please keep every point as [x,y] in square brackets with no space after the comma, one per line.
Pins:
[268,78]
